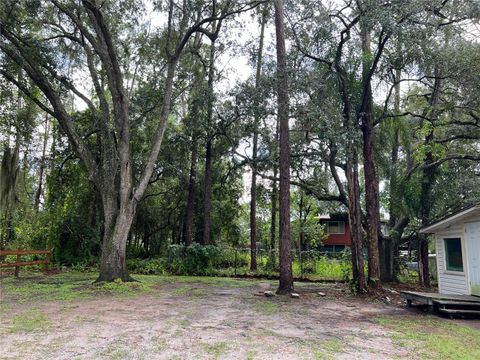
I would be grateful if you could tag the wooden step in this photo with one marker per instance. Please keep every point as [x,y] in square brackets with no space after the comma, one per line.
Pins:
[460,311]
[456,303]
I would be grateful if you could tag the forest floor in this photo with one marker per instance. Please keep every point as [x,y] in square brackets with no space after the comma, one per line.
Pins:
[64,316]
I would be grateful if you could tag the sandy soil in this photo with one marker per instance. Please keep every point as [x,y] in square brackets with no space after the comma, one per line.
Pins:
[189,320]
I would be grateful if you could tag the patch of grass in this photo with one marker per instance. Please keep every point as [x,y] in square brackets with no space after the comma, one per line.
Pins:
[159,343]
[269,332]
[55,287]
[69,286]
[229,323]
[324,349]
[119,288]
[55,344]
[184,322]
[322,268]
[118,351]
[433,338]
[216,349]
[332,345]
[28,321]
[265,306]
[189,291]
[216,281]
[322,355]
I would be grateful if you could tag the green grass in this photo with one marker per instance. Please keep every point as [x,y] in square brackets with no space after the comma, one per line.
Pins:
[28,321]
[433,338]
[189,291]
[72,285]
[265,305]
[117,351]
[323,349]
[332,345]
[216,350]
[323,268]
[217,281]
[319,269]
[69,286]
[56,287]
[160,343]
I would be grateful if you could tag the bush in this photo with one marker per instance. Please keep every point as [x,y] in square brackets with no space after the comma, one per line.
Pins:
[192,260]
[146,266]
[230,257]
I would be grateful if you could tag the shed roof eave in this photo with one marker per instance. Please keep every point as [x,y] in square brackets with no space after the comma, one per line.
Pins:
[448,220]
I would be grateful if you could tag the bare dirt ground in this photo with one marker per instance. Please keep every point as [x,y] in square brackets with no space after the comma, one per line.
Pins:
[190,319]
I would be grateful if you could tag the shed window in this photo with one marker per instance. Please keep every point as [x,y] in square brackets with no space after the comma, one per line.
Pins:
[453,254]
[335,227]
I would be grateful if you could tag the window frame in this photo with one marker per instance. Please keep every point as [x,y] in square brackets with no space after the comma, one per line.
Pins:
[341,228]
[445,255]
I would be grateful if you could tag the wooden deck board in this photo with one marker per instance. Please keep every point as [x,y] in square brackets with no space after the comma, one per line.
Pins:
[427,298]
[460,311]
[446,303]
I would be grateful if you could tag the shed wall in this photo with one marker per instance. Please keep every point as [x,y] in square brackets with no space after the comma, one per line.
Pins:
[450,282]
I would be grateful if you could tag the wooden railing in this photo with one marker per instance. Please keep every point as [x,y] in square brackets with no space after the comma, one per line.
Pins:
[18,263]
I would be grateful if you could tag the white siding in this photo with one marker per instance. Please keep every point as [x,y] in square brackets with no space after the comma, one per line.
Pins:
[450,282]
[472,237]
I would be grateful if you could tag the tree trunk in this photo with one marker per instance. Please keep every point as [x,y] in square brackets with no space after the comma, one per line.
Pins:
[351,173]
[355,218]
[273,223]
[426,201]
[253,206]
[117,224]
[285,246]
[41,169]
[190,209]
[301,235]
[389,242]
[274,198]
[428,179]
[207,204]
[253,189]
[188,220]
[8,181]
[370,174]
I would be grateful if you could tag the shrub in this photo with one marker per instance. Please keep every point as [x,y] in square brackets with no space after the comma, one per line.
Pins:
[192,260]
[146,266]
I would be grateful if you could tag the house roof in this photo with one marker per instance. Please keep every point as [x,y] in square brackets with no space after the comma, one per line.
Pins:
[451,218]
[334,217]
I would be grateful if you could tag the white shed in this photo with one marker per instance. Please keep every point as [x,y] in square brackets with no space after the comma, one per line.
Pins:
[457,240]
